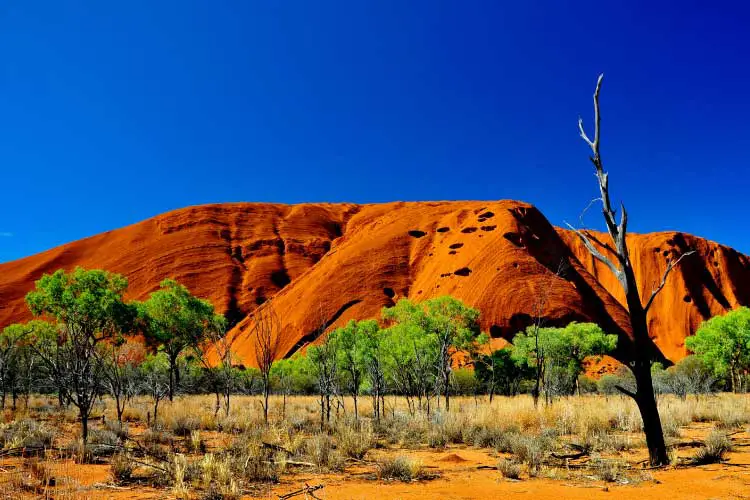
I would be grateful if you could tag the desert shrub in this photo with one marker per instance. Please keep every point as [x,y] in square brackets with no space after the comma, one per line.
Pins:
[586,384]
[717,444]
[217,476]
[182,424]
[133,413]
[607,470]
[255,464]
[436,438]
[196,444]
[119,429]
[530,450]
[400,468]
[509,468]
[354,443]
[151,436]
[26,433]
[102,443]
[121,467]
[486,437]
[320,450]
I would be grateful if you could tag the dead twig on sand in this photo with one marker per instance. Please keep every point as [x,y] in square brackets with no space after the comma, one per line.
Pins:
[307,491]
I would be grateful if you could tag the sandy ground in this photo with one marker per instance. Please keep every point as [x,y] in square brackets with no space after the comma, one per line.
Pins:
[460,474]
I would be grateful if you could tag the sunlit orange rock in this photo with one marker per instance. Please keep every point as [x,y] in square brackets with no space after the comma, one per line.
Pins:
[323,264]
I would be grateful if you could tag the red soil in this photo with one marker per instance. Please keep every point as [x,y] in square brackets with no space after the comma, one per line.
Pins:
[334,262]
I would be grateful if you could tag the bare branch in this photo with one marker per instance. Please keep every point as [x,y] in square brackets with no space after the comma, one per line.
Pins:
[583,133]
[671,265]
[625,391]
[597,115]
[595,252]
[580,217]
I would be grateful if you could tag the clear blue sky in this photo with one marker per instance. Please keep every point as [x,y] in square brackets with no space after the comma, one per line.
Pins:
[115,111]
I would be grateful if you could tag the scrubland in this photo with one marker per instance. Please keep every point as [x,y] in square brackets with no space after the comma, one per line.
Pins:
[579,445]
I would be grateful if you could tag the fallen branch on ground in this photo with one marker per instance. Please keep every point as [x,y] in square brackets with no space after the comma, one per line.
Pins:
[307,490]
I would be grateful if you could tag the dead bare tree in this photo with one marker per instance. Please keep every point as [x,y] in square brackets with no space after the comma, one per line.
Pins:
[265,329]
[220,369]
[641,351]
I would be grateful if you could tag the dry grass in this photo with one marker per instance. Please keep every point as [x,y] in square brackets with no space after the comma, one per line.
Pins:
[191,452]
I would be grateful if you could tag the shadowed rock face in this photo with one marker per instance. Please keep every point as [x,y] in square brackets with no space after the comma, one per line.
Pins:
[329,263]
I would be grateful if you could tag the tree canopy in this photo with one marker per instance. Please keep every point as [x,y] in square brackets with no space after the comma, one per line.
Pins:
[723,344]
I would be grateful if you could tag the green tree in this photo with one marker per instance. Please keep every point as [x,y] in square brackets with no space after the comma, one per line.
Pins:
[155,378]
[323,364]
[723,344]
[351,342]
[560,352]
[372,353]
[410,363]
[177,320]
[88,306]
[447,322]
[120,358]
[11,342]
[500,372]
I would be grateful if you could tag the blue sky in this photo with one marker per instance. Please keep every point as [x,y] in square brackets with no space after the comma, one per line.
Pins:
[112,112]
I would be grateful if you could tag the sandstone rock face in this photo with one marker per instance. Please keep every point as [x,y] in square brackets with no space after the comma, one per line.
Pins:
[323,264]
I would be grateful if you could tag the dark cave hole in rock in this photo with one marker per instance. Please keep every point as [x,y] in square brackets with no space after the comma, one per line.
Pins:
[237,254]
[468,230]
[280,278]
[443,229]
[452,252]
[260,300]
[665,253]
[496,331]
[515,264]
[488,228]
[487,215]
[456,245]
[336,229]
[514,238]
[389,292]
[464,271]
[687,298]
[415,233]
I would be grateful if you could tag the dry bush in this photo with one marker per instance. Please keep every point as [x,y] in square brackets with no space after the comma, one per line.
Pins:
[400,468]
[27,433]
[195,444]
[510,469]
[119,429]
[218,478]
[530,450]
[251,461]
[607,470]
[717,444]
[122,467]
[134,413]
[319,449]
[354,441]
[102,443]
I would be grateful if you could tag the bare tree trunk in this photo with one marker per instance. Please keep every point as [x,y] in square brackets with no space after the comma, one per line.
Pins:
[171,379]
[641,350]
[265,401]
